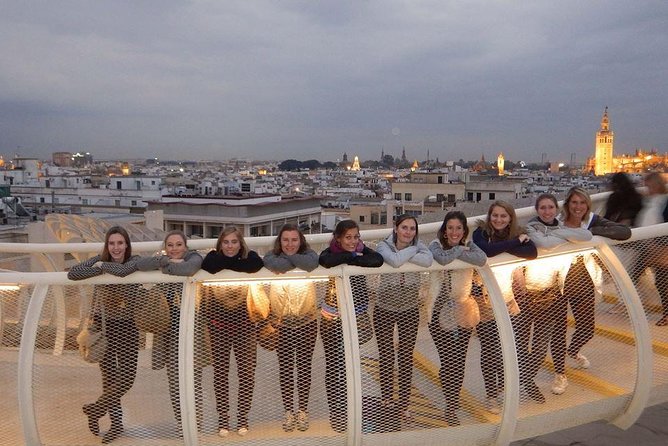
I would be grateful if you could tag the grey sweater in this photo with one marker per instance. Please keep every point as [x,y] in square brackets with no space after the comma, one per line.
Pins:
[282,263]
[400,291]
[118,299]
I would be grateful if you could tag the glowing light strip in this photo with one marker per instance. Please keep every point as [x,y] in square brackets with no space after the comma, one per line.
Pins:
[9,287]
[232,282]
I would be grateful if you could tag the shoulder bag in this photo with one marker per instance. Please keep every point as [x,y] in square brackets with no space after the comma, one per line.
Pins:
[93,340]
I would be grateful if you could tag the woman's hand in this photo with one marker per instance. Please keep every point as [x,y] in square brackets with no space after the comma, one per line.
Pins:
[523,238]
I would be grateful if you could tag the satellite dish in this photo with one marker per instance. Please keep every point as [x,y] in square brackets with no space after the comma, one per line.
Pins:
[523,164]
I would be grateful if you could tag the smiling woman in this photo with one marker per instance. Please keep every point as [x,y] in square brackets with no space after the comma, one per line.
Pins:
[398,305]
[119,364]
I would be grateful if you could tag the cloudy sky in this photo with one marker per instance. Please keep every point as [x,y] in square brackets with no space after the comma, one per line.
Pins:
[211,79]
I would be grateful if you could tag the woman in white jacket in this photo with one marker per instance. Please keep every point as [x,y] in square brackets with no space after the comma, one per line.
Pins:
[542,302]
[294,314]
[398,304]
[455,311]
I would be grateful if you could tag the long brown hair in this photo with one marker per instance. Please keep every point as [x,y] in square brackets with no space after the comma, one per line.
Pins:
[106,256]
[514,229]
[344,226]
[233,230]
[303,244]
[399,220]
[452,215]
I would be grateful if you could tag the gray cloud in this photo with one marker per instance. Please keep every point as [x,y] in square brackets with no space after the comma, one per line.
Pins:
[209,79]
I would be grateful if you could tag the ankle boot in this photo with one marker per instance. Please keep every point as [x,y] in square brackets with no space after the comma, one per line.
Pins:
[116,429]
[94,415]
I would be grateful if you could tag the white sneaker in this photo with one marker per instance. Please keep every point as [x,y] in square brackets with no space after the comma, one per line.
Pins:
[492,406]
[302,420]
[222,432]
[288,421]
[559,384]
[582,361]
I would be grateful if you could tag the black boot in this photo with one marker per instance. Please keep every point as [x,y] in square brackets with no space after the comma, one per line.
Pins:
[116,429]
[94,415]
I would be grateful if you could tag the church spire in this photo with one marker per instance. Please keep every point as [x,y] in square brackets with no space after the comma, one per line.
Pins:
[605,121]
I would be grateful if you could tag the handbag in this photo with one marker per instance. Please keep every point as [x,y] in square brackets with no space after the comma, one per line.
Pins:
[467,313]
[93,341]
[152,313]
[257,303]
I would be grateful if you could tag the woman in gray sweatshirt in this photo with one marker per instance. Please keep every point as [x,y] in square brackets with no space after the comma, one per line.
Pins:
[293,312]
[178,260]
[398,304]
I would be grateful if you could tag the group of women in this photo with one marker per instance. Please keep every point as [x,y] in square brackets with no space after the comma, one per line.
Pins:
[536,297]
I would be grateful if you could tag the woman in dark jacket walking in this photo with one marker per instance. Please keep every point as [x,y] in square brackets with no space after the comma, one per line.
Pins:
[119,364]
[347,248]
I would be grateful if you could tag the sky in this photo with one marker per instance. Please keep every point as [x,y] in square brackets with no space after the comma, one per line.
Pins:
[211,79]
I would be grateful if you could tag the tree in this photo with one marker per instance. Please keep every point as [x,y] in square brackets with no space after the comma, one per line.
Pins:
[289,165]
[311,164]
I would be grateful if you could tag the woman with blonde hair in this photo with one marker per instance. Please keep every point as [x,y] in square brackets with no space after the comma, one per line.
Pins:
[231,329]
[543,301]
[500,233]
[176,259]
[583,279]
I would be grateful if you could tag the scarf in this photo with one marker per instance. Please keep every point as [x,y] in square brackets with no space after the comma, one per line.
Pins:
[499,236]
[337,249]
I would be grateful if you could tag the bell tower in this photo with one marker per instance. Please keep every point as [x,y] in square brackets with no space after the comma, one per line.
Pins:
[604,145]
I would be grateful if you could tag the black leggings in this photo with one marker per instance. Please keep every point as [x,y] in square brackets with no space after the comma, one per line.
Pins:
[452,346]
[335,372]
[295,349]
[119,364]
[491,357]
[579,290]
[407,323]
[239,337]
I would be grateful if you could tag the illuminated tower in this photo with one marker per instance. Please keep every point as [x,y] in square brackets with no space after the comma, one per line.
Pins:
[356,164]
[500,161]
[604,145]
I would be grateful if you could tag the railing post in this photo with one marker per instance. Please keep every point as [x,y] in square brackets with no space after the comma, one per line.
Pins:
[60,319]
[511,399]
[25,366]
[352,355]
[643,339]
[187,364]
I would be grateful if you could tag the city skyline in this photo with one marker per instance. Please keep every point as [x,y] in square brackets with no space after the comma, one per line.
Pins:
[311,81]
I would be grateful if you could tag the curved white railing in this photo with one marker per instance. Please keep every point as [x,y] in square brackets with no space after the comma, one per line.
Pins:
[507,428]
[510,415]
